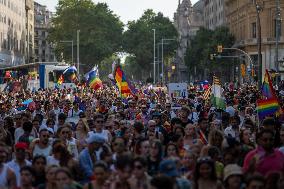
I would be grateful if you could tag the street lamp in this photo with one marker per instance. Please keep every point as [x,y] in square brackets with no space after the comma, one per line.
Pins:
[154,30]
[163,78]
[78,52]
[258,9]
[277,34]
[71,41]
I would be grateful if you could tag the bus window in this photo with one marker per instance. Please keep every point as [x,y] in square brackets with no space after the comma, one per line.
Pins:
[51,77]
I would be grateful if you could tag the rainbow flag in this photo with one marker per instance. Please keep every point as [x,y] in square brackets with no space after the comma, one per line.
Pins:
[267,107]
[121,82]
[93,79]
[60,80]
[267,88]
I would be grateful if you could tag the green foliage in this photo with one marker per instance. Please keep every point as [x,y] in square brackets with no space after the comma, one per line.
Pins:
[100,31]
[202,45]
[138,41]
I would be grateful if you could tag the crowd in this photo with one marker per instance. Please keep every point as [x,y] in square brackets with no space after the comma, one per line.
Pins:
[77,138]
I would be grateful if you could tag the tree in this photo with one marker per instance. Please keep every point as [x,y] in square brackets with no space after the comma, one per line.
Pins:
[138,40]
[202,46]
[100,30]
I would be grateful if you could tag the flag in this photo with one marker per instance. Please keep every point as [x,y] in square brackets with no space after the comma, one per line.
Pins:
[202,137]
[121,82]
[217,100]
[207,93]
[60,80]
[95,83]
[267,88]
[93,79]
[71,69]
[267,107]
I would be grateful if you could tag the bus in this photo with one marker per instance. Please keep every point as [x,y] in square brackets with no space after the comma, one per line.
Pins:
[36,75]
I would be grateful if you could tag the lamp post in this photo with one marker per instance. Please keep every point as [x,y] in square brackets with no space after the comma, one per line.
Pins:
[258,9]
[154,62]
[72,42]
[277,35]
[163,78]
[78,52]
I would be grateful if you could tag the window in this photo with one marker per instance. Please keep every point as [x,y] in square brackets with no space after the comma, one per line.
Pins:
[275,28]
[253,27]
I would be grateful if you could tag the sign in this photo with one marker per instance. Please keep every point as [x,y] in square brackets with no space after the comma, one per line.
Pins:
[178,94]
[33,85]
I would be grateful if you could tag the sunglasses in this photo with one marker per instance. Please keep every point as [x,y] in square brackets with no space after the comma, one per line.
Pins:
[139,167]
[118,144]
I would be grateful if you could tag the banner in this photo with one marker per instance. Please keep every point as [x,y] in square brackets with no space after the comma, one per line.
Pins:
[178,94]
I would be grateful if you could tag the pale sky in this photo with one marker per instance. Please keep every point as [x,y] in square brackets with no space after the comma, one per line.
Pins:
[131,9]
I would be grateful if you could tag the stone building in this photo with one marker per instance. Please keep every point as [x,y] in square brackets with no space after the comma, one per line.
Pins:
[44,51]
[12,32]
[242,22]
[214,13]
[29,31]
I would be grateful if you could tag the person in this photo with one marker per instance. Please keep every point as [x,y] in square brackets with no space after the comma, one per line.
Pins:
[7,175]
[142,147]
[50,181]
[27,136]
[155,157]
[188,163]
[38,164]
[19,161]
[64,179]
[233,176]
[99,123]
[264,158]
[87,157]
[140,177]
[169,168]
[205,175]
[123,167]
[101,173]
[233,129]
[190,136]
[81,133]
[184,116]
[171,150]
[255,181]
[27,177]
[41,146]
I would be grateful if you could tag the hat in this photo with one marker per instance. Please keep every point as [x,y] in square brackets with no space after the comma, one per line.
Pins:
[21,145]
[94,137]
[232,169]
[168,167]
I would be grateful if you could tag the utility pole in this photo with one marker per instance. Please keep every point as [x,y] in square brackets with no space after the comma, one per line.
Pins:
[72,43]
[277,35]
[154,58]
[78,52]
[259,57]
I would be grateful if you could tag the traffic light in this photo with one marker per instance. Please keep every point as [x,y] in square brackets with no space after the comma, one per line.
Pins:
[219,48]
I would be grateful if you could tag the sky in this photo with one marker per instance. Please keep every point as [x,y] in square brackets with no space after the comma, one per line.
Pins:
[129,10]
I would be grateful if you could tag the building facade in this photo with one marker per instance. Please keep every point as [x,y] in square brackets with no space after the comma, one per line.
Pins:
[44,51]
[214,13]
[242,22]
[12,32]
[29,31]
